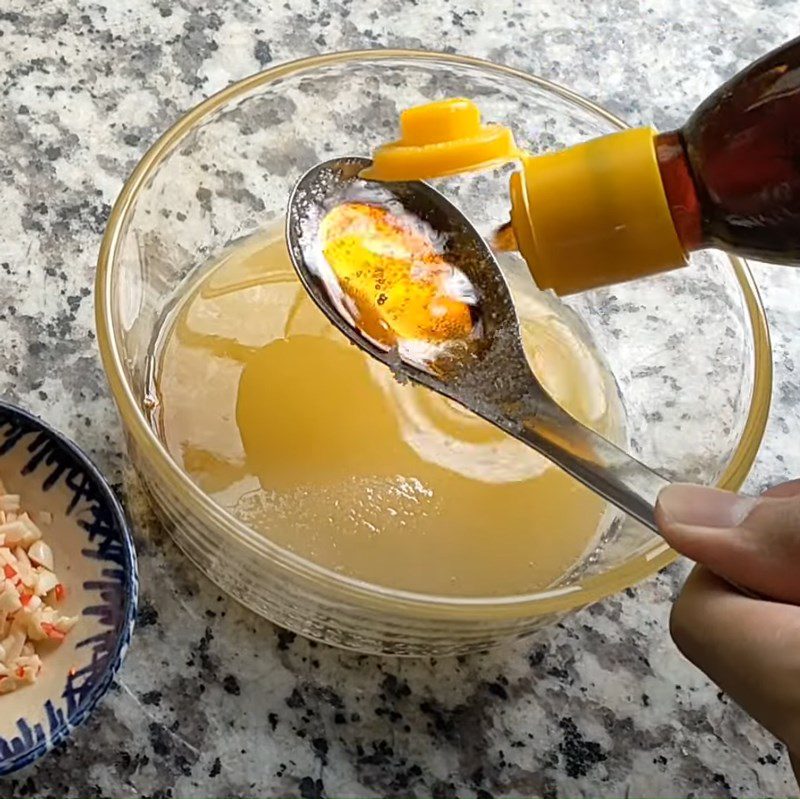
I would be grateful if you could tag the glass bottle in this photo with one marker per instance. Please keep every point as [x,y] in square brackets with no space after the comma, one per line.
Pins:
[637,202]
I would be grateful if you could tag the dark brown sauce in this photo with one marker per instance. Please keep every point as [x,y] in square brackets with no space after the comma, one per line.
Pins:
[732,173]
[504,239]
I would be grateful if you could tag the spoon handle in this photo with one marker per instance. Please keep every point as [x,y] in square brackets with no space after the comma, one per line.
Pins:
[593,460]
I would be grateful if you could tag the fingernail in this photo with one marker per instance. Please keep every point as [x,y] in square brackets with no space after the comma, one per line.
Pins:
[700,506]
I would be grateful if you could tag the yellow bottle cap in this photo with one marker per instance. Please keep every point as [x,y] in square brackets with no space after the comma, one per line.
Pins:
[594,214]
[440,139]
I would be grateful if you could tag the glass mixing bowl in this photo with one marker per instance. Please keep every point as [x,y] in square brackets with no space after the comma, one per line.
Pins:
[689,350]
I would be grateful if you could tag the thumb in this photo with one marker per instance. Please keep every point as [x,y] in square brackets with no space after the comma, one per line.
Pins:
[754,542]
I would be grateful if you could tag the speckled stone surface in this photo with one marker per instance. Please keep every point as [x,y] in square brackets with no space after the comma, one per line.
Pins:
[602,705]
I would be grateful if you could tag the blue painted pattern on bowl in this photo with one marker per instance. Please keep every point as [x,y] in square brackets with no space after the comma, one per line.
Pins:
[94,559]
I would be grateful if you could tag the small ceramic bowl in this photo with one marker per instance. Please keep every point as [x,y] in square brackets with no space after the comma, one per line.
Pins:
[95,561]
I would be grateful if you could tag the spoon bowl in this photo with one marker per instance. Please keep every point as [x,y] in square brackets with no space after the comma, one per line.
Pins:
[489,373]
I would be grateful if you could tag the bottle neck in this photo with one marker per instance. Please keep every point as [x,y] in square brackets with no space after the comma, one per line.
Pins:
[676,177]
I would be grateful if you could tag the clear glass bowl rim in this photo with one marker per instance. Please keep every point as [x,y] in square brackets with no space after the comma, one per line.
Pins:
[591,588]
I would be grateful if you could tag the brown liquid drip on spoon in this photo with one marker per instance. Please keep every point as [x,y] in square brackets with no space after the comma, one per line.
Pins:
[504,239]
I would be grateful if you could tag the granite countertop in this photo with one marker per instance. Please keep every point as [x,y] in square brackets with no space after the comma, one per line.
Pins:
[601,705]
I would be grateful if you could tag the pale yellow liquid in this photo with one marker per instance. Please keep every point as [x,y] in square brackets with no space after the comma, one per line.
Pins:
[296,432]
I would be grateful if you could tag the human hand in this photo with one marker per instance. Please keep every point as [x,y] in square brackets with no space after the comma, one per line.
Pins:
[738,615]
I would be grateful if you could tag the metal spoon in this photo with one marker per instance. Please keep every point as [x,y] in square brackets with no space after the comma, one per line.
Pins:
[492,377]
